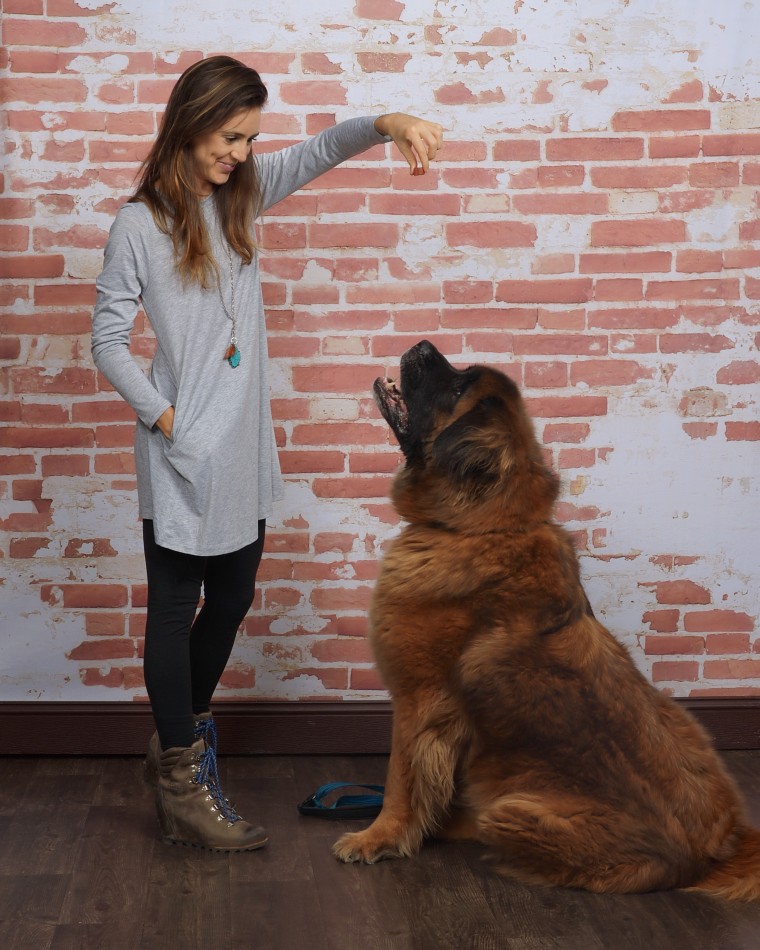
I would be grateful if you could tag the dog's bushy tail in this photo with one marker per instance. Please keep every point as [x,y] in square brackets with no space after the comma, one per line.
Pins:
[738,878]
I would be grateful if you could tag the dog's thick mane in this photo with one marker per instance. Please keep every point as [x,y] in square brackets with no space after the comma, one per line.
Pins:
[486,467]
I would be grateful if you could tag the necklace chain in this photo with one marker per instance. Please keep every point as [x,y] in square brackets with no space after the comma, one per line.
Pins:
[232,354]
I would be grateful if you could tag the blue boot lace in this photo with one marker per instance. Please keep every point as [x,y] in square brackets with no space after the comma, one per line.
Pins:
[207,774]
[206,729]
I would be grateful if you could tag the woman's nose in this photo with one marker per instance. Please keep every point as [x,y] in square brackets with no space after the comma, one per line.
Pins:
[240,152]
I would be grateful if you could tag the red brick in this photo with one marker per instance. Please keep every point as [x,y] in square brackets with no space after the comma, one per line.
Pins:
[625,263]
[353,650]
[722,643]
[566,432]
[691,91]
[74,465]
[743,431]
[467,291]
[663,621]
[112,649]
[413,205]
[593,149]
[379,9]
[676,146]
[65,295]
[721,289]
[42,32]
[561,176]
[662,646]
[567,512]
[70,8]
[719,621]
[664,176]
[81,236]
[38,265]
[28,547]
[682,202]
[714,175]
[693,261]
[738,373]
[104,625]
[637,233]
[355,486]
[556,343]
[577,458]
[115,463]
[491,234]
[313,92]
[363,680]
[393,292]
[517,150]
[680,592]
[694,343]
[292,542]
[675,671]
[555,407]
[41,437]
[69,380]
[11,208]
[618,372]
[353,235]
[113,678]
[512,318]
[561,204]
[732,669]
[569,290]
[700,430]
[618,289]
[734,144]
[383,62]
[10,348]
[661,120]
[547,375]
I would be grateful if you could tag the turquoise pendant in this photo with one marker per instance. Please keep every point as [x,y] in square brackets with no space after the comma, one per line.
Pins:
[233,355]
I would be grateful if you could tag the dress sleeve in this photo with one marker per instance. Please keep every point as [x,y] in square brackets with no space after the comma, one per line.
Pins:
[119,288]
[283,172]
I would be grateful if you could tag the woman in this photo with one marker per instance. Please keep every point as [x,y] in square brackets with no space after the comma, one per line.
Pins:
[207,469]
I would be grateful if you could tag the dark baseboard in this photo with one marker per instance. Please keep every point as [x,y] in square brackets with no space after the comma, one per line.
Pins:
[344,728]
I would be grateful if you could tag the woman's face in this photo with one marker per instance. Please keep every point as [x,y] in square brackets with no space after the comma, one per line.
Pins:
[218,153]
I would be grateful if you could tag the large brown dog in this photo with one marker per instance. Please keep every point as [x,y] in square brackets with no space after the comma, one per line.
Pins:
[518,720]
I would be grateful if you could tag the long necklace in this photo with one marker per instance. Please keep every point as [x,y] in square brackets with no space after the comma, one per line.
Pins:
[232,353]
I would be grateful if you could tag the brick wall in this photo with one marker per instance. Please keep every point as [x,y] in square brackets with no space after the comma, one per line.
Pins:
[592,227]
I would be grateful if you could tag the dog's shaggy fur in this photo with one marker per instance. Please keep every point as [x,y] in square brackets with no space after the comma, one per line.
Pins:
[518,720]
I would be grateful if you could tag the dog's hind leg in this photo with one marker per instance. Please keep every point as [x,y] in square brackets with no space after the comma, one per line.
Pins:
[577,842]
[418,790]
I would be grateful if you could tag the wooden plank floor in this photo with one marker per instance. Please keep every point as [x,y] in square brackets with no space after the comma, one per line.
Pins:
[81,867]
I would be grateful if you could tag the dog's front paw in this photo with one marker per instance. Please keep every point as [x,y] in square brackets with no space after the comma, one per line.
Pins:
[367,846]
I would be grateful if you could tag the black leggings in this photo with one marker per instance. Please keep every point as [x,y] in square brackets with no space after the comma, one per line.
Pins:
[185,654]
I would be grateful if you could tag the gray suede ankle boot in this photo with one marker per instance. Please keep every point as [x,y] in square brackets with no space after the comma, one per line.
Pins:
[205,728]
[191,807]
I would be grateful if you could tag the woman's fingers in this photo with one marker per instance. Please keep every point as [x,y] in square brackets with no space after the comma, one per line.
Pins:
[418,140]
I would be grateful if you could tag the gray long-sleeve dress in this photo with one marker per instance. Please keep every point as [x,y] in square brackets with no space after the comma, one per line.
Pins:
[207,487]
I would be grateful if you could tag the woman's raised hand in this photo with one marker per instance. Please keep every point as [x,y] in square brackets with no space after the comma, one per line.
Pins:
[418,140]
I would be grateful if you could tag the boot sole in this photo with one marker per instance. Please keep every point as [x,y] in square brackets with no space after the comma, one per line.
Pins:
[204,847]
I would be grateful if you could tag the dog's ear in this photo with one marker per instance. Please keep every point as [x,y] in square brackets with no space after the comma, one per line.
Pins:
[468,449]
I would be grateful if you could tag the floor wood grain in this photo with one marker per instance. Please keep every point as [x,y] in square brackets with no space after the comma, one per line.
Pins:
[81,867]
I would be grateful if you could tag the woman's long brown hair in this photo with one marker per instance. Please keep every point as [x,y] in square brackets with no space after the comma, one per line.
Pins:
[206,95]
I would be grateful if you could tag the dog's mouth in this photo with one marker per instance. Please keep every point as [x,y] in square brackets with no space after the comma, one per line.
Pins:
[391,404]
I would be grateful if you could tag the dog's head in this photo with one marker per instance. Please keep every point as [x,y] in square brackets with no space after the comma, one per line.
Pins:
[468,442]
